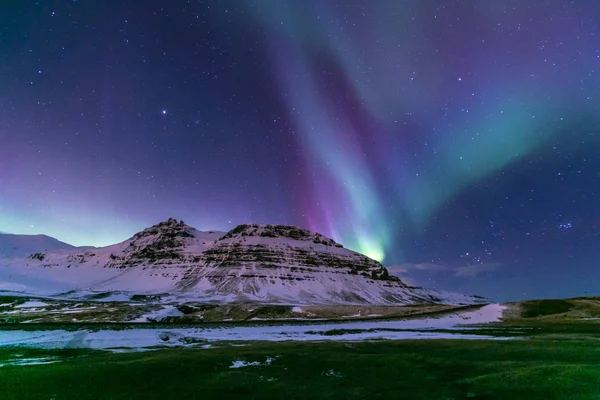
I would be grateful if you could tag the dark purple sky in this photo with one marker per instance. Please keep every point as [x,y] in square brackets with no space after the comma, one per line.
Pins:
[456,141]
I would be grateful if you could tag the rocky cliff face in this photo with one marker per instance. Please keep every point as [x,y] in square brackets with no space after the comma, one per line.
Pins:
[280,246]
[270,262]
[169,242]
[258,263]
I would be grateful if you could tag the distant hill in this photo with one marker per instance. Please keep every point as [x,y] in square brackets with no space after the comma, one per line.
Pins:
[578,308]
[23,245]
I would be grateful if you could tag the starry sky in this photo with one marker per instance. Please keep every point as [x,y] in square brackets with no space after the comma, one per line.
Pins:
[456,141]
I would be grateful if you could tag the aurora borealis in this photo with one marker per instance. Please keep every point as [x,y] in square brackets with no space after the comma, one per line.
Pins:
[456,141]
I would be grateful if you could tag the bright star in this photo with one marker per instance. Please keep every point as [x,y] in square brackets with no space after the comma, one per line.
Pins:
[565,226]
[164,112]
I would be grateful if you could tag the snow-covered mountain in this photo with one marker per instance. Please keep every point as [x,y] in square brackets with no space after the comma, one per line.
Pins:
[257,263]
[24,245]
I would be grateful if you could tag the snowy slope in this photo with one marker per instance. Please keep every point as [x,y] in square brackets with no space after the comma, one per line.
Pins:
[149,262]
[295,266]
[257,263]
[24,245]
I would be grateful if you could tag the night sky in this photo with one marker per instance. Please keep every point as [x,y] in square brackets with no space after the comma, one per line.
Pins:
[456,141]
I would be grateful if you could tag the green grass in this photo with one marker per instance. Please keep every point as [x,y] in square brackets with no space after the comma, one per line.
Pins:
[539,308]
[424,369]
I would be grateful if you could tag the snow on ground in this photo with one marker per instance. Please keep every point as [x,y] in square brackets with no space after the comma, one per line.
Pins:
[149,338]
[297,310]
[242,364]
[32,304]
[28,361]
[72,311]
[348,331]
[116,297]
[332,373]
[23,245]
[485,314]
[163,313]
[11,286]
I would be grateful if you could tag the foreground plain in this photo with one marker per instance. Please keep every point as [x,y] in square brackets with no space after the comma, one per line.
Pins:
[544,368]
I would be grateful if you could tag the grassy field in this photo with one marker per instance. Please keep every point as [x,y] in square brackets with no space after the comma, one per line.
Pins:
[529,369]
[555,309]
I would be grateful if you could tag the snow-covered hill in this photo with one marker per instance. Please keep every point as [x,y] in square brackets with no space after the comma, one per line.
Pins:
[24,245]
[251,263]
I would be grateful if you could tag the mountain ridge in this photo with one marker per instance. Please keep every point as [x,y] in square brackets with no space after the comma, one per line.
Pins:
[257,263]
[13,245]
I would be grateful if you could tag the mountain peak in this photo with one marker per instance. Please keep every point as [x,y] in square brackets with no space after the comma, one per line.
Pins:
[170,223]
[170,227]
[252,262]
[161,240]
[279,231]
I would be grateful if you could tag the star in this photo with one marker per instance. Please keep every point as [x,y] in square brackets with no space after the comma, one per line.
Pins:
[319,130]
[565,226]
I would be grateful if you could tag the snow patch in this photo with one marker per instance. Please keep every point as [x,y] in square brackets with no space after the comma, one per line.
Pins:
[332,373]
[31,304]
[484,315]
[29,361]
[160,315]
[116,297]
[243,364]
[345,331]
